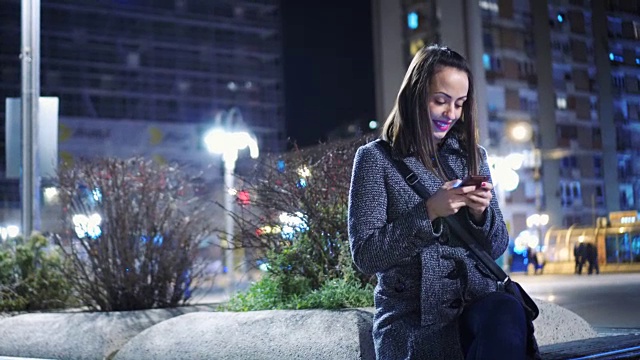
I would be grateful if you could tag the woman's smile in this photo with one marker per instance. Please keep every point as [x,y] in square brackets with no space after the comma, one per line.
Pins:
[442,125]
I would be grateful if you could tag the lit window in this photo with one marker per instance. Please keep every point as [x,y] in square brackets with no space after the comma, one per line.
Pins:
[412,20]
[489,5]
[615,58]
[486,61]
[636,29]
[637,61]
[560,18]
[561,103]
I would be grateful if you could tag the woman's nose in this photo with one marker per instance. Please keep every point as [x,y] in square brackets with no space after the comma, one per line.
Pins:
[450,113]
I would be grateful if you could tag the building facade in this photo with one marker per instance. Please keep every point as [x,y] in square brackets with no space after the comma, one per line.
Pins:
[176,61]
[147,77]
[567,70]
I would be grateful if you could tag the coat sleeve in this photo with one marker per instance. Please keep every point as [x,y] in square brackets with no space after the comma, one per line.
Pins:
[377,244]
[493,234]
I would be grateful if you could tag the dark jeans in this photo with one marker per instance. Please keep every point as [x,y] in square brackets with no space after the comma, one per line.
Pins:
[494,327]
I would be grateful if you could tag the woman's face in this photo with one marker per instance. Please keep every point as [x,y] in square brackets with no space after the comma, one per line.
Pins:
[448,91]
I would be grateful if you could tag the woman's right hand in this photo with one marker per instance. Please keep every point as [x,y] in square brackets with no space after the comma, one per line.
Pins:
[448,200]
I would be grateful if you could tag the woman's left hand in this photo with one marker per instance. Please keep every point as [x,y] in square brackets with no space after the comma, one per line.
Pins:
[479,199]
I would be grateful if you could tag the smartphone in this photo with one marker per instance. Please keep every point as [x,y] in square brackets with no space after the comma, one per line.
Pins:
[476,180]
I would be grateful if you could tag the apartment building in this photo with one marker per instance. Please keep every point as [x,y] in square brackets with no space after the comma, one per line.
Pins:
[567,69]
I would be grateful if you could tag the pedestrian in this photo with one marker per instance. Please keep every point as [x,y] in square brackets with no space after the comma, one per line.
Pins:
[426,278]
[541,259]
[591,254]
[576,257]
[579,252]
[532,259]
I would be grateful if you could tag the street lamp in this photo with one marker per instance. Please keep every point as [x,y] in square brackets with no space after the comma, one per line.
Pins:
[538,221]
[228,136]
[522,132]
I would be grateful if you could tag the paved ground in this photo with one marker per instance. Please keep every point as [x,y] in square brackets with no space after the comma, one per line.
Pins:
[609,302]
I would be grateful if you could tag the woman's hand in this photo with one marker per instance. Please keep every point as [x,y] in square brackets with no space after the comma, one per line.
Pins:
[478,201]
[448,200]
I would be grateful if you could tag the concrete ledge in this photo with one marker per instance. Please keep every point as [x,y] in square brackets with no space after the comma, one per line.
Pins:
[184,334]
[73,336]
[556,324]
[311,334]
[302,334]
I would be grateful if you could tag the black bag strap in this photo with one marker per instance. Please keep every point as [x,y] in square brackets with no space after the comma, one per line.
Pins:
[459,230]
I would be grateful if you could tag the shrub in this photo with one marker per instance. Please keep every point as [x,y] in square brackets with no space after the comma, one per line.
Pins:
[32,276]
[307,252]
[269,294]
[134,227]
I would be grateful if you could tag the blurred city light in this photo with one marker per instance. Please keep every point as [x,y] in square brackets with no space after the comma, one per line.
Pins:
[97,195]
[525,239]
[292,223]
[502,174]
[304,171]
[87,226]
[514,160]
[520,132]
[537,220]
[228,144]
[50,194]
[243,198]
[232,191]
[412,20]
[9,232]
[373,124]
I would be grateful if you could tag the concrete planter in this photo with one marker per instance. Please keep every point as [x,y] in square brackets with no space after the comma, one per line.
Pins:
[190,333]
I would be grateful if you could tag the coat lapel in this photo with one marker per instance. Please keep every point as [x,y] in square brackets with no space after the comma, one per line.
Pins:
[449,154]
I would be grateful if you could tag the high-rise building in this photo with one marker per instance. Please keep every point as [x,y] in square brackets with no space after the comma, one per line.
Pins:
[177,61]
[569,70]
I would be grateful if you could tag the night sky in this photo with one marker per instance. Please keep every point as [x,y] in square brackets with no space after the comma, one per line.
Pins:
[328,66]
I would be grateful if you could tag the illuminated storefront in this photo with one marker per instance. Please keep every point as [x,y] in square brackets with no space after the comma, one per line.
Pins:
[617,240]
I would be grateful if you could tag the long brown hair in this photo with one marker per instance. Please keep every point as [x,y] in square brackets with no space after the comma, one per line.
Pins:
[409,128]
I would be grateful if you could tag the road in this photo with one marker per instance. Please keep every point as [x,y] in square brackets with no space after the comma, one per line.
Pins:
[609,302]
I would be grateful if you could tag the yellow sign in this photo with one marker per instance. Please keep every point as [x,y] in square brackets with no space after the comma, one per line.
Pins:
[623,217]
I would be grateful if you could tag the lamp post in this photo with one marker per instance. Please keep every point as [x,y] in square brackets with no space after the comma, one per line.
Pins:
[538,221]
[522,132]
[30,95]
[228,136]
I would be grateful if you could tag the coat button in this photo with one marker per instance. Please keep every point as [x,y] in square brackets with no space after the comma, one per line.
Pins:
[399,287]
[456,303]
[443,239]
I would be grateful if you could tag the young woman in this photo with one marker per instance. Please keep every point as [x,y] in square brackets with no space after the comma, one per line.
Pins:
[426,277]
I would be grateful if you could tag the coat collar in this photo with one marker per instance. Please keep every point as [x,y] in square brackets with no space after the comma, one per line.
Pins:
[449,152]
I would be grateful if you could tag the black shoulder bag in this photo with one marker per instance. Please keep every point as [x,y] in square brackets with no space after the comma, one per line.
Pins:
[461,231]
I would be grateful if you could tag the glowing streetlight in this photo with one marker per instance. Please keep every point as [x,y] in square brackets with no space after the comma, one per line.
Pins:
[520,132]
[228,136]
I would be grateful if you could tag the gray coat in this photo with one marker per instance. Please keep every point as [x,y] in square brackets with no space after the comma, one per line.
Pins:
[424,275]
